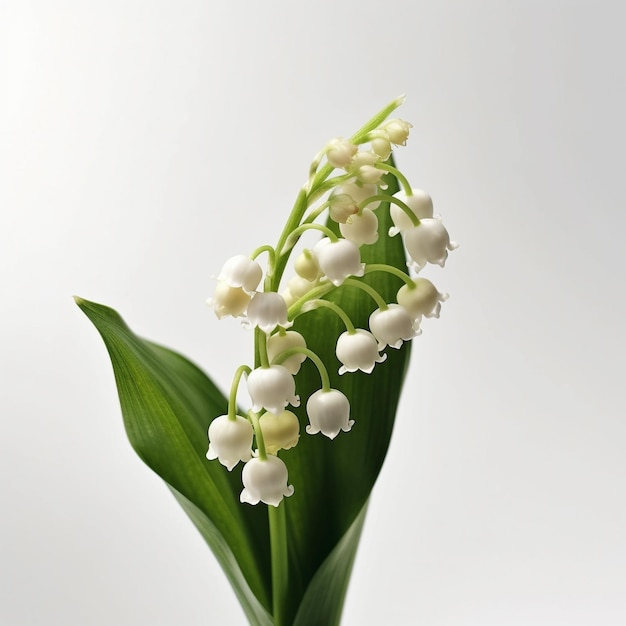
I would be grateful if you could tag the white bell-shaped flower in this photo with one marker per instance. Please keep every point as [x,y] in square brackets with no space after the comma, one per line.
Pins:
[338,259]
[272,388]
[267,309]
[361,228]
[228,300]
[423,299]
[230,441]
[280,432]
[306,266]
[419,202]
[339,152]
[242,271]
[265,480]
[393,326]
[329,413]
[278,343]
[428,243]
[358,351]
[358,193]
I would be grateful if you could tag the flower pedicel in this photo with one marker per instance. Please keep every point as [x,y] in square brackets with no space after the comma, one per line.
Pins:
[351,198]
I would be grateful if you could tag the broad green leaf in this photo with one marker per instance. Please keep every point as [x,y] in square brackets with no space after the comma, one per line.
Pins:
[167,403]
[324,597]
[333,479]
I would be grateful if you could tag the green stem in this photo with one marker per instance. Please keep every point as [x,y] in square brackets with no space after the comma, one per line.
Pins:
[280,562]
[296,308]
[408,190]
[321,368]
[261,342]
[390,269]
[258,433]
[293,238]
[316,304]
[368,289]
[232,398]
[315,213]
[387,198]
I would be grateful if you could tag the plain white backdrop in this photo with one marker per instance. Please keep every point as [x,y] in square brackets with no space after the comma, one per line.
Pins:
[142,143]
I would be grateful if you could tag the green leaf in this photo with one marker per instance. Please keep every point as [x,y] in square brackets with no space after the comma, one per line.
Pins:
[167,404]
[324,597]
[333,479]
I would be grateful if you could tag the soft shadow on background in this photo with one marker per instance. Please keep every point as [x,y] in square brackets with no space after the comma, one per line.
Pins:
[144,143]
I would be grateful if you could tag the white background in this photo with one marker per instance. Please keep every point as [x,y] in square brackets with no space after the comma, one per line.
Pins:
[142,143]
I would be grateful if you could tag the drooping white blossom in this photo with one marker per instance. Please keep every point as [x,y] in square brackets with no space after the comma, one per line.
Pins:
[358,351]
[338,259]
[428,243]
[278,343]
[393,326]
[329,413]
[419,202]
[242,271]
[265,480]
[423,299]
[267,309]
[228,300]
[361,228]
[272,388]
[280,432]
[230,441]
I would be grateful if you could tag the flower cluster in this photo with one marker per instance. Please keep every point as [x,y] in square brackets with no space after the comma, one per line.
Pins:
[346,183]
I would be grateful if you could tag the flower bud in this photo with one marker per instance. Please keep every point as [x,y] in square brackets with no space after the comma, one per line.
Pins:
[428,243]
[230,441]
[338,259]
[381,146]
[363,166]
[329,412]
[361,228]
[393,326]
[272,388]
[420,203]
[265,480]
[280,342]
[280,432]
[267,309]
[228,300]
[423,299]
[339,152]
[242,271]
[341,207]
[299,286]
[306,266]
[358,351]
[398,131]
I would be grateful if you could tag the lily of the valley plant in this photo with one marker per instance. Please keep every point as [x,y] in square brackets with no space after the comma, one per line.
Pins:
[279,489]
